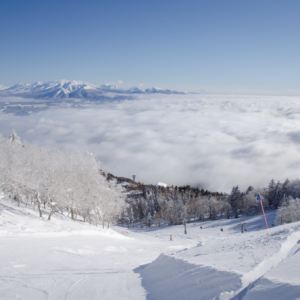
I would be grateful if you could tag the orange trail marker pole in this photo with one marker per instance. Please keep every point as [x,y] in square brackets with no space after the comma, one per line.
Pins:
[262,207]
[264,214]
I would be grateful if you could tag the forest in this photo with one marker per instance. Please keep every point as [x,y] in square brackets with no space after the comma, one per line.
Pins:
[157,205]
[52,180]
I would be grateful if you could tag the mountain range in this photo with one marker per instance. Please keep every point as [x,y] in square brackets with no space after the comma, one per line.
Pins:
[62,89]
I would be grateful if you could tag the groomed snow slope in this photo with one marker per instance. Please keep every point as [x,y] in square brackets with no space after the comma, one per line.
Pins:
[63,259]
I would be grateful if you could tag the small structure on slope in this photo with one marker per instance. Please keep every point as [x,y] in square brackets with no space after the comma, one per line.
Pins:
[161,184]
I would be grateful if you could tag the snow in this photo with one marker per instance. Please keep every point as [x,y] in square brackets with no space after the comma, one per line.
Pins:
[65,259]
[162,184]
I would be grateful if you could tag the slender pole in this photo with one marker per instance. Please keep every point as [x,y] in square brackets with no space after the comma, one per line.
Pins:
[264,213]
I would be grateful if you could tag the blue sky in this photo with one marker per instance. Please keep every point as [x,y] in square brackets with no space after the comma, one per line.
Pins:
[215,46]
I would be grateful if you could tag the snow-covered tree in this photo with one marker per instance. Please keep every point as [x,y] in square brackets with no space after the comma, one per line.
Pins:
[202,207]
[250,204]
[58,180]
[289,211]
[14,137]
[234,200]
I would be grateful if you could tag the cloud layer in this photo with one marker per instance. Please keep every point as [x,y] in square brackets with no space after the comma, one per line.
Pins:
[211,141]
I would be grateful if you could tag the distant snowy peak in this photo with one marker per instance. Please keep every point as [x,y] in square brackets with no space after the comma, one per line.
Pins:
[61,89]
[3,87]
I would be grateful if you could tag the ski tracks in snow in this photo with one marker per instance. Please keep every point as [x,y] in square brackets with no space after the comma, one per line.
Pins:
[264,267]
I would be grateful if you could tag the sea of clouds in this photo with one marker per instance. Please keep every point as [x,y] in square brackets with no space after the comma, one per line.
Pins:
[211,141]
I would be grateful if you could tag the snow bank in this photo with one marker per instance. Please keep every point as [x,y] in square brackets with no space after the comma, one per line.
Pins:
[264,289]
[168,278]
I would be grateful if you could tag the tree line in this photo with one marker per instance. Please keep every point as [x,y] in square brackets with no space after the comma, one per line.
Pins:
[156,205]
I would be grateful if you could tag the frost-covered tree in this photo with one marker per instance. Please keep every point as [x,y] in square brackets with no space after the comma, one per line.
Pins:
[213,208]
[289,211]
[14,137]
[234,199]
[294,189]
[250,204]
[191,209]
[56,180]
[149,220]
[202,207]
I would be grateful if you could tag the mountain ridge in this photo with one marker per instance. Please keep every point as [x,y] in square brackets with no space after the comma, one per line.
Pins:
[63,89]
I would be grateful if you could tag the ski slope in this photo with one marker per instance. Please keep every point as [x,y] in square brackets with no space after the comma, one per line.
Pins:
[65,259]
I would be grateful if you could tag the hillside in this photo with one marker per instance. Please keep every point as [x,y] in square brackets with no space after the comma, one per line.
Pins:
[63,259]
